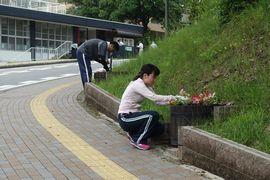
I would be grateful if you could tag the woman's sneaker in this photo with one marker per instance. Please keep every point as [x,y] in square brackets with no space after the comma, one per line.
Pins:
[140,146]
[129,137]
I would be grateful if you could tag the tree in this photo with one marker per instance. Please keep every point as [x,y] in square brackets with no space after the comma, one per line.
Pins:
[231,7]
[92,8]
[132,11]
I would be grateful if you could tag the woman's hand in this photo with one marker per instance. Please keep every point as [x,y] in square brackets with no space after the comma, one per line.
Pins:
[173,100]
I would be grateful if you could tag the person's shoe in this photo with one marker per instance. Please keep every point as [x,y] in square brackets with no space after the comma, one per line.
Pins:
[129,137]
[140,146]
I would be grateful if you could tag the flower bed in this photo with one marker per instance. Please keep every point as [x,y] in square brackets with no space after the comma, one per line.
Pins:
[190,110]
[186,115]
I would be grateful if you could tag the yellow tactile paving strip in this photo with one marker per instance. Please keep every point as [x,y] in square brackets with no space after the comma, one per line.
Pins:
[94,159]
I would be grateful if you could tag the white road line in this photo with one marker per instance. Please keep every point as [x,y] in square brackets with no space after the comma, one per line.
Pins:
[28,82]
[116,62]
[40,69]
[68,75]
[49,78]
[25,83]
[5,87]
[13,72]
[65,65]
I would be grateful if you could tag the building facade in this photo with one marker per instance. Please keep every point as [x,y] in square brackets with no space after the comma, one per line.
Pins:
[41,30]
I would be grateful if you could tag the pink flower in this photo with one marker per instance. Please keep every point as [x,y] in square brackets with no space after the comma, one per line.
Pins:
[196,99]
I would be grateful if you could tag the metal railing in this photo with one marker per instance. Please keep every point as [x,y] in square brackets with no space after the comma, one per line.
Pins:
[38,5]
[40,53]
[63,49]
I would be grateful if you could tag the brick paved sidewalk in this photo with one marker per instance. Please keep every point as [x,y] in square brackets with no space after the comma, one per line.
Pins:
[29,151]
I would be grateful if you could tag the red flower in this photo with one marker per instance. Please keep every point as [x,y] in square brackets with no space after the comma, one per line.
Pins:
[196,99]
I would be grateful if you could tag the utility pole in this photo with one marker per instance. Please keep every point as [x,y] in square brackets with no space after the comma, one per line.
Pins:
[166,17]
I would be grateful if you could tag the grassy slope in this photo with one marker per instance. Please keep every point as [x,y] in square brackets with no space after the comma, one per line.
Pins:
[233,61]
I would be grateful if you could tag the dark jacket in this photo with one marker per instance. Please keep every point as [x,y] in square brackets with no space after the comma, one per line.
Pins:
[96,49]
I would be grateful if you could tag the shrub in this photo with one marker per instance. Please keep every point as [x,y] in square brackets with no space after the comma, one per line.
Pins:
[229,8]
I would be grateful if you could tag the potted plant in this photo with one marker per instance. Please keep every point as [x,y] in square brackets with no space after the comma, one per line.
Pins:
[189,110]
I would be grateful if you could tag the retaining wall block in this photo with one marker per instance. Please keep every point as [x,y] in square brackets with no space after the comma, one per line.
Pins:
[223,157]
[102,99]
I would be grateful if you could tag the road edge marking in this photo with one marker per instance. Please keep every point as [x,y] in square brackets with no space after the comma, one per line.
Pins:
[94,159]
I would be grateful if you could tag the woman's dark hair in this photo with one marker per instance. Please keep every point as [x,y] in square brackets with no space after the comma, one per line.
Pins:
[147,69]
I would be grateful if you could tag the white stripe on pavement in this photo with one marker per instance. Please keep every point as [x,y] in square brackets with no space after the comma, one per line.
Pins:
[4,87]
[68,75]
[13,72]
[25,83]
[28,82]
[40,69]
[49,78]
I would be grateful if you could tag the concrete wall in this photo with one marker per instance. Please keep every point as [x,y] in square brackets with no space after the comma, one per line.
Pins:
[14,56]
[105,102]
[221,156]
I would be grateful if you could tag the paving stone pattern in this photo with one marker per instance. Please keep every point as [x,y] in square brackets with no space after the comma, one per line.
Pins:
[28,151]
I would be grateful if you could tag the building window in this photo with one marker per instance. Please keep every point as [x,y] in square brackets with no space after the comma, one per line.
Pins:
[11,26]
[69,38]
[14,34]
[22,28]
[58,32]
[51,31]
[38,43]
[22,44]
[11,43]
[58,43]
[51,44]
[38,30]
[19,28]
[52,35]
[64,32]
[4,44]
[44,31]
[4,25]
[45,43]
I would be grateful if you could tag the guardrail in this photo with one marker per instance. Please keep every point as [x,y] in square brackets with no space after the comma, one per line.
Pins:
[40,53]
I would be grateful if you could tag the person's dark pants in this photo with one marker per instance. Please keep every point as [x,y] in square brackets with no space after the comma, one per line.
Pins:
[141,125]
[85,67]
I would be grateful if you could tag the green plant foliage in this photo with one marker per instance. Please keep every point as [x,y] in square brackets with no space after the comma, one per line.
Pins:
[247,127]
[233,62]
[229,8]
[137,12]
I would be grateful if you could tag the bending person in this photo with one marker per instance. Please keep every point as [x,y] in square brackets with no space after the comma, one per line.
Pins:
[142,125]
[97,50]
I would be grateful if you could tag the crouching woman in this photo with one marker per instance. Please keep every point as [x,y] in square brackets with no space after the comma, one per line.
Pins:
[141,125]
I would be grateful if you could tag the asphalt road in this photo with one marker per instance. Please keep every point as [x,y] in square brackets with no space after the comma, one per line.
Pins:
[17,77]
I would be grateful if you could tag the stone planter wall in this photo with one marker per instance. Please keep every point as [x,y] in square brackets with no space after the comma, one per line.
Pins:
[105,102]
[187,115]
[100,75]
[191,115]
[222,157]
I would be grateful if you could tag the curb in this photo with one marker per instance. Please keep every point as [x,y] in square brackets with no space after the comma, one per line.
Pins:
[105,102]
[35,63]
[223,157]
